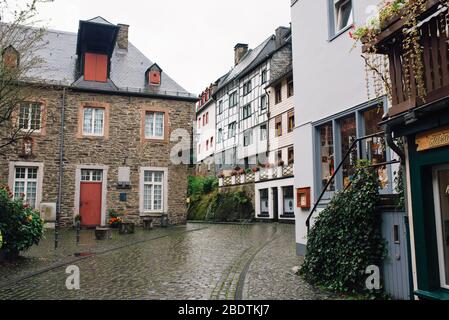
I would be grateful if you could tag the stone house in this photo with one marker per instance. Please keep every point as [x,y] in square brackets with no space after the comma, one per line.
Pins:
[109,130]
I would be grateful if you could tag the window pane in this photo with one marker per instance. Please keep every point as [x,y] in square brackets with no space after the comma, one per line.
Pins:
[31,194]
[159,125]
[348,136]
[157,197]
[19,189]
[148,176]
[85,175]
[20,173]
[443,178]
[158,176]
[97,175]
[147,197]
[32,173]
[375,149]
[24,116]
[36,117]
[99,121]
[87,123]
[149,124]
[343,14]
[264,208]
[327,155]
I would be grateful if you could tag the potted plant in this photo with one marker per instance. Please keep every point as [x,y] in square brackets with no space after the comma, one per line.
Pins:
[221,175]
[281,163]
[115,219]
[256,169]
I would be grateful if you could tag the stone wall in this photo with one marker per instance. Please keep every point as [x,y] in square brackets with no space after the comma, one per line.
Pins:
[123,147]
[248,188]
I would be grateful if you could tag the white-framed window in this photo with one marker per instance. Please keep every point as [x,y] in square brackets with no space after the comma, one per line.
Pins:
[153,191]
[30,117]
[263,102]
[341,15]
[154,125]
[233,99]
[248,138]
[246,111]
[93,121]
[264,76]
[91,175]
[26,185]
[220,107]
[247,88]
[232,130]
[220,136]
[263,132]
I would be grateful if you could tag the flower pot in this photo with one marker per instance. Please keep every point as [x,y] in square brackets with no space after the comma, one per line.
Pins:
[103,234]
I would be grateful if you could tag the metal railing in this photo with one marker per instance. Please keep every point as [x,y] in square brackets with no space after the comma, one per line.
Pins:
[353,147]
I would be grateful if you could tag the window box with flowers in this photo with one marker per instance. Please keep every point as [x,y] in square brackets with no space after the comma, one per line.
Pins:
[115,219]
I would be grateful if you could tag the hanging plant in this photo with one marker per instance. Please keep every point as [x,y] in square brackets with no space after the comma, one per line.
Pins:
[377,66]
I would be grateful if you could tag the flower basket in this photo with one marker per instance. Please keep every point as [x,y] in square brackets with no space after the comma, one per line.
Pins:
[256,169]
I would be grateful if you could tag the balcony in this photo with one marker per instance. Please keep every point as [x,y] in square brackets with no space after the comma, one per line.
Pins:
[433,33]
[263,174]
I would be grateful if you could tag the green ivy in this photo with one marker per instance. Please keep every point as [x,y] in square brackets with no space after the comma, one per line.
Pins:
[346,237]
[20,225]
[201,185]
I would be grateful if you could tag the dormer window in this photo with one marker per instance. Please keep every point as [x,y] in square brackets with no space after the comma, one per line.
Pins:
[153,75]
[10,58]
[95,67]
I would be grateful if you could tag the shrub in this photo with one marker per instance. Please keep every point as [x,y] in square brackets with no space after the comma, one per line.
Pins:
[346,237]
[20,225]
[221,207]
[201,185]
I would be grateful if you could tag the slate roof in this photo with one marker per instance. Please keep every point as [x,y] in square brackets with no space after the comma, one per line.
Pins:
[252,59]
[128,67]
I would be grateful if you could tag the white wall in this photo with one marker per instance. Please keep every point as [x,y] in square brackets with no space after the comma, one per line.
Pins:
[205,133]
[329,78]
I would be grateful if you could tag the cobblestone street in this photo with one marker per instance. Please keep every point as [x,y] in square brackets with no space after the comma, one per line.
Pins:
[199,261]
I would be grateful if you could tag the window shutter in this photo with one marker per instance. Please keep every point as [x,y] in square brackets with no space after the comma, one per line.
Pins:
[96,67]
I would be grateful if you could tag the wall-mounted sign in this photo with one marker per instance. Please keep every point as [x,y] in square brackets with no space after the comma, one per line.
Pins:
[433,139]
[303,198]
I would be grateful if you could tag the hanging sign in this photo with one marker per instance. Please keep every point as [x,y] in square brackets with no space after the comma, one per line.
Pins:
[433,139]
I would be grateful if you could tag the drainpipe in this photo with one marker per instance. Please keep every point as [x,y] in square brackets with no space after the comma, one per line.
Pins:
[393,146]
[61,168]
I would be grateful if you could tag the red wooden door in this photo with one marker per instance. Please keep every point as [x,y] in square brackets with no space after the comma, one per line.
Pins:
[90,203]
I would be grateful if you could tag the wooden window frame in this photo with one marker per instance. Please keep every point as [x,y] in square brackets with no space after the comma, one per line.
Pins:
[278,126]
[290,125]
[95,105]
[166,113]
[278,94]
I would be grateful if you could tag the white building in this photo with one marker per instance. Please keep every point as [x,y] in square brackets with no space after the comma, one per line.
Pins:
[242,105]
[275,196]
[205,131]
[332,101]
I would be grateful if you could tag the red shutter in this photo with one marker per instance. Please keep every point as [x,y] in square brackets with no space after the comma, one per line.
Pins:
[155,77]
[102,68]
[90,65]
[96,67]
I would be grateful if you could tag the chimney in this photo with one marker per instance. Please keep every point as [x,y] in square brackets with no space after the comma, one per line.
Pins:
[281,34]
[122,37]
[239,51]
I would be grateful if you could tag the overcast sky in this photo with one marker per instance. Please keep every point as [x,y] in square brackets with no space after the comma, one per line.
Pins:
[193,41]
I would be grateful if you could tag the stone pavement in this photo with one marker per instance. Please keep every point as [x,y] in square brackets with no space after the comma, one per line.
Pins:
[199,261]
